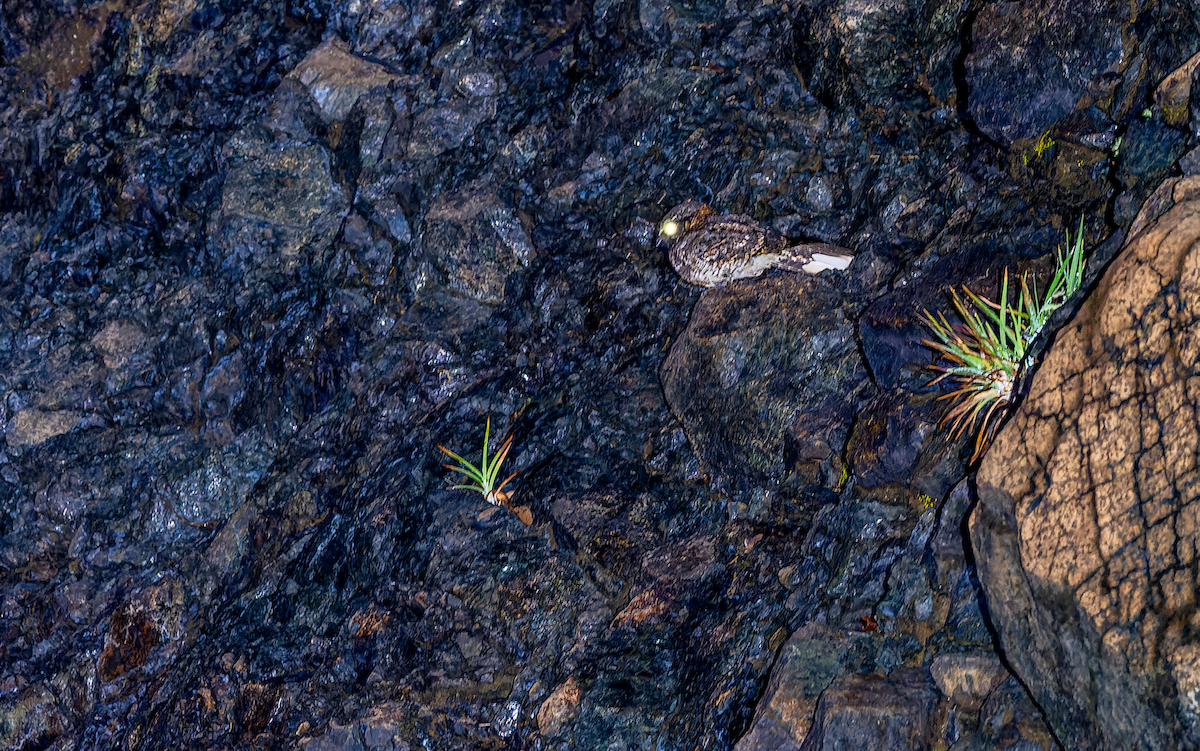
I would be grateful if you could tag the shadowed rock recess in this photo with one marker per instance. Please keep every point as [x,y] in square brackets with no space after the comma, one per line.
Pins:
[259,259]
[1088,521]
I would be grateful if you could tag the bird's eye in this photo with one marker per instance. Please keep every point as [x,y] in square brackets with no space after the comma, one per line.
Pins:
[670,229]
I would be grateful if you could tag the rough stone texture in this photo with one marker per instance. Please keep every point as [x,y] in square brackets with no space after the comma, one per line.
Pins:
[763,377]
[875,713]
[1054,81]
[967,679]
[335,78]
[955,574]
[31,719]
[31,427]
[1151,147]
[810,660]
[1063,44]
[560,707]
[473,241]
[251,276]
[381,729]
[1173,95]
[280,205]
[1086,529]
[930,603]
[1009,720]
[885,49]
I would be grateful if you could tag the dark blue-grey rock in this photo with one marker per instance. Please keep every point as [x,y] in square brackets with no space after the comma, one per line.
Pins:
[1149,148]
[280,209]
[471,241]
[883,50]
[243,298]
[764,376]
[1030,63]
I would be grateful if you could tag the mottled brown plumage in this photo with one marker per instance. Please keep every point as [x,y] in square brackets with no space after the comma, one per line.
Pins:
[708,248]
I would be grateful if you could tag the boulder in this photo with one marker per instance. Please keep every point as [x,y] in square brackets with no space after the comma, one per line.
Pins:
[875,713]
[764,377]
[1086,529]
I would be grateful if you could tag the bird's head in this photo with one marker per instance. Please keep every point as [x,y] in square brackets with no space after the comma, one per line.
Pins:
[682,218]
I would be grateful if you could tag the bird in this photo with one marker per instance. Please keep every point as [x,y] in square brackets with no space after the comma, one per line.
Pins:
[709,249]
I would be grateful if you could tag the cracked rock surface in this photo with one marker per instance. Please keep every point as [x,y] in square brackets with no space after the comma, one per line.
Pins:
[1089,514]
[259,259]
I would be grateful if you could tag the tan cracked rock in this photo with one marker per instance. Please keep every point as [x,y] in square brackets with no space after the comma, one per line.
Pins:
[559,708]
[33,427]
[336,78]
[967,679]
[1086,531]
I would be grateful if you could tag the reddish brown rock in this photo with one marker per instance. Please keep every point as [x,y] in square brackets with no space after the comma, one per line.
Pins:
[893,713]
[559,708]
[649,605]
[336,78]
[145,632]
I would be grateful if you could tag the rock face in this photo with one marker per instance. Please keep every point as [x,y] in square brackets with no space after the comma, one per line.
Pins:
[1056,82]
[873,712]
[967,679]
[260,259]
[336,78]
[475,241]
[761,376]
[1065,45]
[879,49]
[280,206]
[1086,531]
[810,660]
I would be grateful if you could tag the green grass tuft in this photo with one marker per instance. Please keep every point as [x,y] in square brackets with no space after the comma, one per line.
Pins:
[483,477]
[988,350]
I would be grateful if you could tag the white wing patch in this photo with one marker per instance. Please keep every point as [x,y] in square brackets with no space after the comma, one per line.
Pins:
[824,261]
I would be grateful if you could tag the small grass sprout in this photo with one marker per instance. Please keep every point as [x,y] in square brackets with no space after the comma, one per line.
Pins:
[483,477]
[989,349]
[1044,143]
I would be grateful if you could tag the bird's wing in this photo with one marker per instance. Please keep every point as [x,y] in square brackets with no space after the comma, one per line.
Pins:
[814,258]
